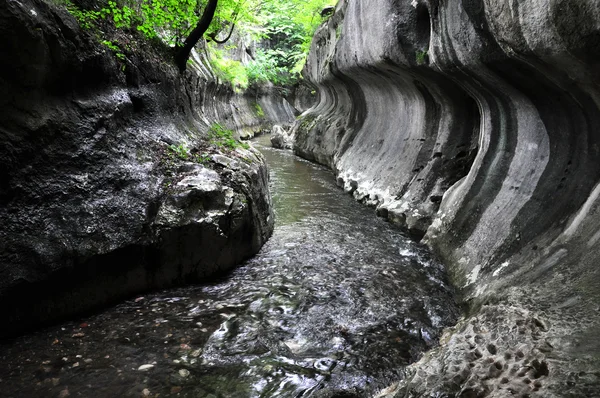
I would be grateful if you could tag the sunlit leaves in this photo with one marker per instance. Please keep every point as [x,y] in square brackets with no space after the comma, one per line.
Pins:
[283,29]
[229,70]
[289,26]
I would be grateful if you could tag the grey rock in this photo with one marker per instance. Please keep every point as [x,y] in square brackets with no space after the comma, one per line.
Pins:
[280,138]
[473,125]
[94,207]
[503,351]
[184,373]
[259,109]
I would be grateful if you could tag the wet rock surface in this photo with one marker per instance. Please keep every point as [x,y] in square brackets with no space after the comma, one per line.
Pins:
[472,124]
[108,186]
[501,352]
[325,309]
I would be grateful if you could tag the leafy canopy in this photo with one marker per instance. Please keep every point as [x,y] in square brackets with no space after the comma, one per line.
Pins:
[283,27]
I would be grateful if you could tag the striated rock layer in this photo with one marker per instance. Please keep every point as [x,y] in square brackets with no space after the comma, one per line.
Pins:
[105,187]
[475,124]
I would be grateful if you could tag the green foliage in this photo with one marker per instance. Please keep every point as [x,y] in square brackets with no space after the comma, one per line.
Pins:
[284,28]
[240,12]
[115,49]
[259,110]
[265,67]
[179,151]
[182,153]
[123,16]
[171,20]
[203,158]
[289,26]
[87,18]
[222,137]
[421,57]
[229,70]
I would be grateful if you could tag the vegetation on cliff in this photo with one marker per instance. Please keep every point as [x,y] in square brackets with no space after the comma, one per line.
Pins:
[280,32]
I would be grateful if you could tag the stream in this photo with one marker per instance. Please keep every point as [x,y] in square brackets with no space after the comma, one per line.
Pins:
[337,299]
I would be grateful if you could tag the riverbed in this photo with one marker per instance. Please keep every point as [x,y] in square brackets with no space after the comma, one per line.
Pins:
[337,299]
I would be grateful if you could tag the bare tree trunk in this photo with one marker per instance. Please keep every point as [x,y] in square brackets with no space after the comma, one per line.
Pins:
[183,52]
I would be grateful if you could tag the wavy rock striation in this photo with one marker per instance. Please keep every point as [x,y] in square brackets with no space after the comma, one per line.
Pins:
[474,124]
[94,205]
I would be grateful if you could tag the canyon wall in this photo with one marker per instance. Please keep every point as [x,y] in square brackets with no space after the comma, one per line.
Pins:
[474,125]
[108,184]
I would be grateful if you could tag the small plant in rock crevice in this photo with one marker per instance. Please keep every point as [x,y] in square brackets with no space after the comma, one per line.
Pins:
[222,137]
[421,57]
[259,110]
[181,152]
[87,19]
[115,49]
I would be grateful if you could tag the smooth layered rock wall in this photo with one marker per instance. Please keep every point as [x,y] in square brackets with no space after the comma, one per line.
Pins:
[94,203]
[474,125]
[259,109]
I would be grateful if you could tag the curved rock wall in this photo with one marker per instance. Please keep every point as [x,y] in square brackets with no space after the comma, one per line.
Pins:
[94,204]
[474,124]
[258,110]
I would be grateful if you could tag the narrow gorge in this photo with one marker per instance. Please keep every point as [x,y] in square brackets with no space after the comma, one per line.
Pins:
[146,251]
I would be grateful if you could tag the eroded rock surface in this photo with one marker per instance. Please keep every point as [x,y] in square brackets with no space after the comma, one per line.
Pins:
[474,124]
[107,184]
[280,138]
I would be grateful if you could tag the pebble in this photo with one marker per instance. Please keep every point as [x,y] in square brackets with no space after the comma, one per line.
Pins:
[196,353]
[145,392]
[145,368]
[184,372]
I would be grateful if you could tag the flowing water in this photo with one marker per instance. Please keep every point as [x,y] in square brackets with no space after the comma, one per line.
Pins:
[337,299]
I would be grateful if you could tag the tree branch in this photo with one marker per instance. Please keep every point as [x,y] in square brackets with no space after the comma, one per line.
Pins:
[183,52]
[214,36]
